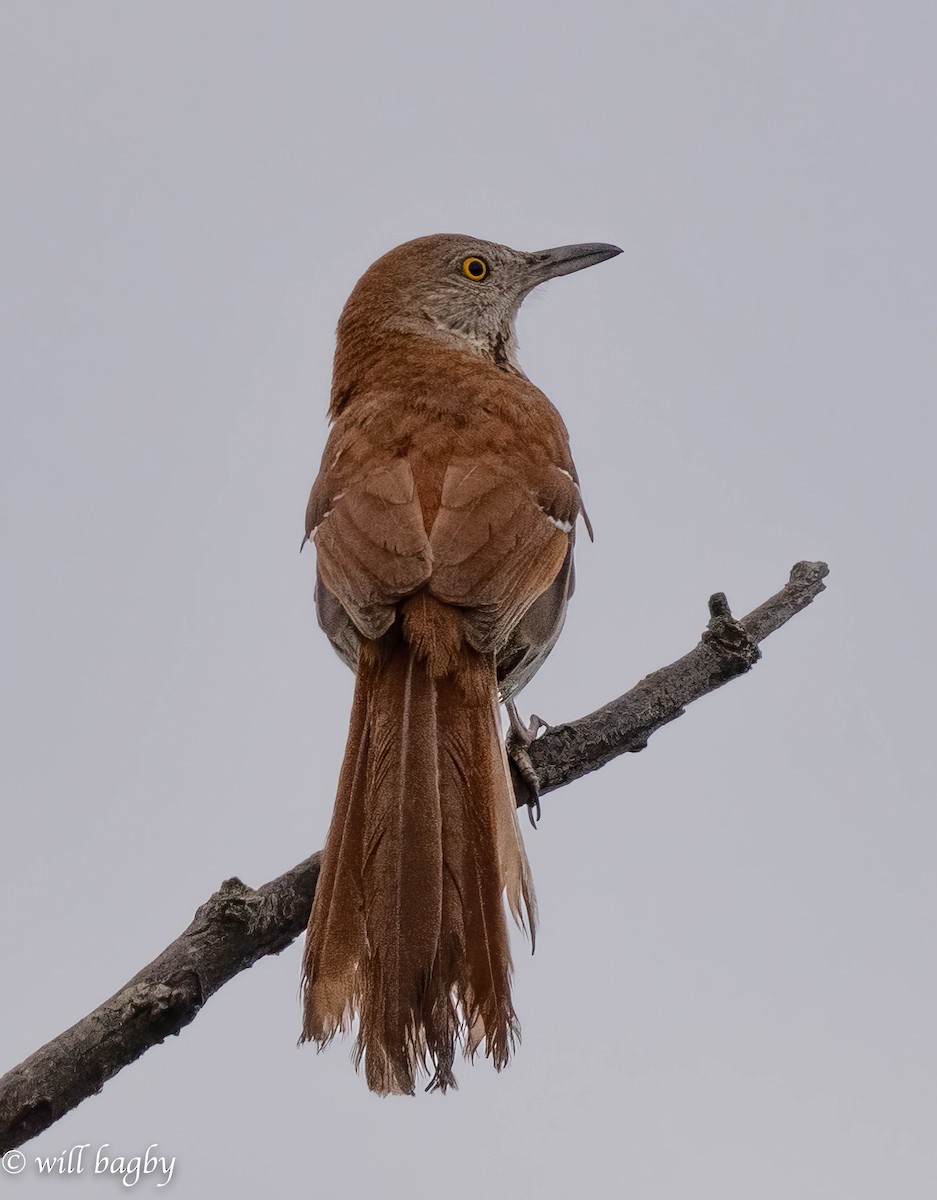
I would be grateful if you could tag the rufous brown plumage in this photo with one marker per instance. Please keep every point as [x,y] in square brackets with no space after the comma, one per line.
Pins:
[443,517]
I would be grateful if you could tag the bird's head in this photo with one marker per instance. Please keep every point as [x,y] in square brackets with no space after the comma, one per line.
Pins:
[460,290]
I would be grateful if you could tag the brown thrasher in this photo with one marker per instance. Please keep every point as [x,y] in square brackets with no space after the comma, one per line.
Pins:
[443,517]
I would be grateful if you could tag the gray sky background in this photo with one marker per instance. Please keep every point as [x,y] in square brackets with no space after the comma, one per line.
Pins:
[734,992]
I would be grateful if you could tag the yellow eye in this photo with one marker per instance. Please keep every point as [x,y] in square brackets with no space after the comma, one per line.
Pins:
[475,268]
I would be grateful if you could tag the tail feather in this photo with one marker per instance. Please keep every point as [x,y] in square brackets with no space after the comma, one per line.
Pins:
[330,976]
[518,881]
[402,877]
[477,798]
[408,927]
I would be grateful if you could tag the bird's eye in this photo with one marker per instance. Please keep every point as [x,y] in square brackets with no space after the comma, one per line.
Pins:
[475,268]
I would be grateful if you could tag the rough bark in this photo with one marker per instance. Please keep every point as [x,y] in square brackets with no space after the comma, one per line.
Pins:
[238,925]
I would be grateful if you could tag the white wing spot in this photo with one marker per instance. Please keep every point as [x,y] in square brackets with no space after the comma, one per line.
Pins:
[566,526]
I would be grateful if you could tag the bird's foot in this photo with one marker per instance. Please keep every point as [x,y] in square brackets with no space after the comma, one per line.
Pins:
[524,776]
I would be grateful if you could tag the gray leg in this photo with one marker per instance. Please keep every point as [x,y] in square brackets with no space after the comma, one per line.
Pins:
[519,739]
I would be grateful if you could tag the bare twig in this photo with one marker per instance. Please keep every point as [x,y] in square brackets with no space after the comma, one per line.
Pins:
[238,925]
[728,648]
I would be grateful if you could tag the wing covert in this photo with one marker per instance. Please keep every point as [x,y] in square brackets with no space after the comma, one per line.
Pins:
[371,545]
[498,543]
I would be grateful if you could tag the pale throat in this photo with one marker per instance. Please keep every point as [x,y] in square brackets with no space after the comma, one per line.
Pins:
[496,342]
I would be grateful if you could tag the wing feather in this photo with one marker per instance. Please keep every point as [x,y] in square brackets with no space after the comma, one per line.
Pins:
[371,545]
[498,543]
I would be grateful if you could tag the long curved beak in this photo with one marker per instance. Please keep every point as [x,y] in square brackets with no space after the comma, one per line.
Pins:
[563,260]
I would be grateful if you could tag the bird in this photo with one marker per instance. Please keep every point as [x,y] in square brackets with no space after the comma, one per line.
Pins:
[444,517]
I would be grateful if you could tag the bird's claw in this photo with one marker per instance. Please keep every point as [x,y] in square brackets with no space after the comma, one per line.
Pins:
[524,775]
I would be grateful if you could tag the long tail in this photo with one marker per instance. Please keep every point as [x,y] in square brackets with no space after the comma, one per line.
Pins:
[408,929]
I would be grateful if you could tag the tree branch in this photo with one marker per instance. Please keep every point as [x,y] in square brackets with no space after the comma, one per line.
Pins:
[238,925]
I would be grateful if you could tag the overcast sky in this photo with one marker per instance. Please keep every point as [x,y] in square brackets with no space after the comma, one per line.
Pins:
[734,989]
